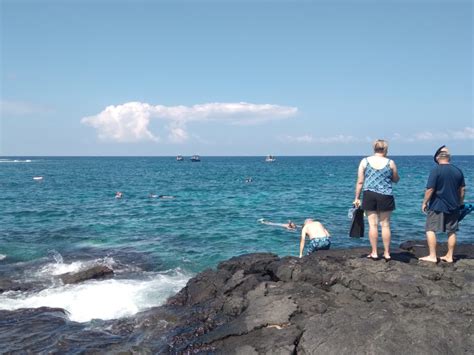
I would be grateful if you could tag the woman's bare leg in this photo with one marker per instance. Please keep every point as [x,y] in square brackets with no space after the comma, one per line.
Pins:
[372,217]
[384,218]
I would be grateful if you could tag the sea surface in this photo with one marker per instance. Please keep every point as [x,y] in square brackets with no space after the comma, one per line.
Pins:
[70,219]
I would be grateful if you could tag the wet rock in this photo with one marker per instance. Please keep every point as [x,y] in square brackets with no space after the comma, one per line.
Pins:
[331,302]
[9,285]
[94,272]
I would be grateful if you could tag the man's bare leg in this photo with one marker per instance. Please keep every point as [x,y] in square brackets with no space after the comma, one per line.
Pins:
[386,233]
[373,232]
[451,244]
[431,238]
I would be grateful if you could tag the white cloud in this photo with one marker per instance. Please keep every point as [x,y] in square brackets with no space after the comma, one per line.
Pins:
[467,133]
[177,135]
[340,138]
[123,123]
[22,108]
[129,122]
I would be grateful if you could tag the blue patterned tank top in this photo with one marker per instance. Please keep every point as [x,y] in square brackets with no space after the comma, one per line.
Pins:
[378,180]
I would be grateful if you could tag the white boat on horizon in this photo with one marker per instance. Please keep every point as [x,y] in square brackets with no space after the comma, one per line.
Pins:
[270,158]
[195,158]
[179,158]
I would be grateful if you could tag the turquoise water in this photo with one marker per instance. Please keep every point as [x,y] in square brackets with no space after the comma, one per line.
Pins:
[213,216]
[70,220]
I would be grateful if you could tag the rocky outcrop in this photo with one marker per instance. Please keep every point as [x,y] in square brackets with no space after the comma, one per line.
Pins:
[9,285]
[93,272]
[332,302]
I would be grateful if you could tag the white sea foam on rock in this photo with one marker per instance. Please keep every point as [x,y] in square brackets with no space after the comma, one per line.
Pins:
[107,299]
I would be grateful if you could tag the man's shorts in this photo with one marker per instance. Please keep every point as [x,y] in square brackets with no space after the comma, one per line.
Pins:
[373,201]
[319,244]
[442,222]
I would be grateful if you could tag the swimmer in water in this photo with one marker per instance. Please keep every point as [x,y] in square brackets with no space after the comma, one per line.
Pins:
[118,194]
[290,225]
[319,237]
[152,196]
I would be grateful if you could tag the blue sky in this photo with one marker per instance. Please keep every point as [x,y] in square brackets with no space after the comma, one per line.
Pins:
[235,77]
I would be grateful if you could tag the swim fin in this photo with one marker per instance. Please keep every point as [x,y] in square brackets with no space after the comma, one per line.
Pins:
[357,225]
[465,210]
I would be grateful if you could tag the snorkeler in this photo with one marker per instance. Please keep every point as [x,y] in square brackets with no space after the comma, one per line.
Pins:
[166,197]
[290,225]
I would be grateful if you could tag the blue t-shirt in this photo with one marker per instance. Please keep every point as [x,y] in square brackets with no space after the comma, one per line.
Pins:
[445,180]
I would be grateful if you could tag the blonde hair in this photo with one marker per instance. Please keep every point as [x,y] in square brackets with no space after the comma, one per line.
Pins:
[380,146]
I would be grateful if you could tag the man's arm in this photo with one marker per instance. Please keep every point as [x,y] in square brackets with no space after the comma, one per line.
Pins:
[303,235]
[462,191]
[426,199]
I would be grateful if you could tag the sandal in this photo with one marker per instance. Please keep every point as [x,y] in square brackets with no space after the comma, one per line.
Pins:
[373,257]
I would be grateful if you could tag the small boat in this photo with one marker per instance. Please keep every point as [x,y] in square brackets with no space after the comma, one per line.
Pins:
[179,158]
[195,158]
[270,158]
[37,178]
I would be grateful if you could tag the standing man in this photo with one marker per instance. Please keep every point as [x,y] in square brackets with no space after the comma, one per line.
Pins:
[443,196]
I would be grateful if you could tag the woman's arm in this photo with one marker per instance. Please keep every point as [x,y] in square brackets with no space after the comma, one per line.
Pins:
[360,182]
[395,176]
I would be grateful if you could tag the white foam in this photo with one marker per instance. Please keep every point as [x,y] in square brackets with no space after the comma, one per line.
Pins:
[108,299]
[15,161]
[59,267]
[2,256]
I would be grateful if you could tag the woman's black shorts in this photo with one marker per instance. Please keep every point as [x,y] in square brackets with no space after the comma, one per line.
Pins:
[373,201]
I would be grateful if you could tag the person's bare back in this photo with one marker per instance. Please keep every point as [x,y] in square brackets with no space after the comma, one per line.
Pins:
[316,233]
[314,229]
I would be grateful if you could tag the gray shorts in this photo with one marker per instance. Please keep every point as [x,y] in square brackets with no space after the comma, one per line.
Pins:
[442,222]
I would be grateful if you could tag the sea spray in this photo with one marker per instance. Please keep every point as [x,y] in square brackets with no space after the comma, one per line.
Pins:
[106,299]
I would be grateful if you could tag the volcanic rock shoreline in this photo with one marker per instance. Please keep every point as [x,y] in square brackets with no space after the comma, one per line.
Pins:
[331,302]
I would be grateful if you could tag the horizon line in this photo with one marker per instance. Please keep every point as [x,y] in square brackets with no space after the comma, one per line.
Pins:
[213,156]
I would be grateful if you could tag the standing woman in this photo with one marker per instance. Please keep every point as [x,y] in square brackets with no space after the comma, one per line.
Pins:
[375,176]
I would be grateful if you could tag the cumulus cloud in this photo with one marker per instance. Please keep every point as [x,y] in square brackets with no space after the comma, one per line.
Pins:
[177,135]
[123,123]
[130,122]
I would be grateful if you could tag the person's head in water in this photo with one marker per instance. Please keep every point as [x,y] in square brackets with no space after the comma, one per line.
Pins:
[291,225]
[306,221]
[380,147]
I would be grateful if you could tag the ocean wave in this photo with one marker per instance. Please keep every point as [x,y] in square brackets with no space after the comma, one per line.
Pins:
[60,267]
[15,161]
[107,299]
[2,256]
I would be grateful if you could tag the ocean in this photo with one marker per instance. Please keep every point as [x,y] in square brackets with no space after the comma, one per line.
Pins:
[70,219]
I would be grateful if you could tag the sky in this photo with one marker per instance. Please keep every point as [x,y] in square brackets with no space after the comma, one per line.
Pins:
[162,78]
